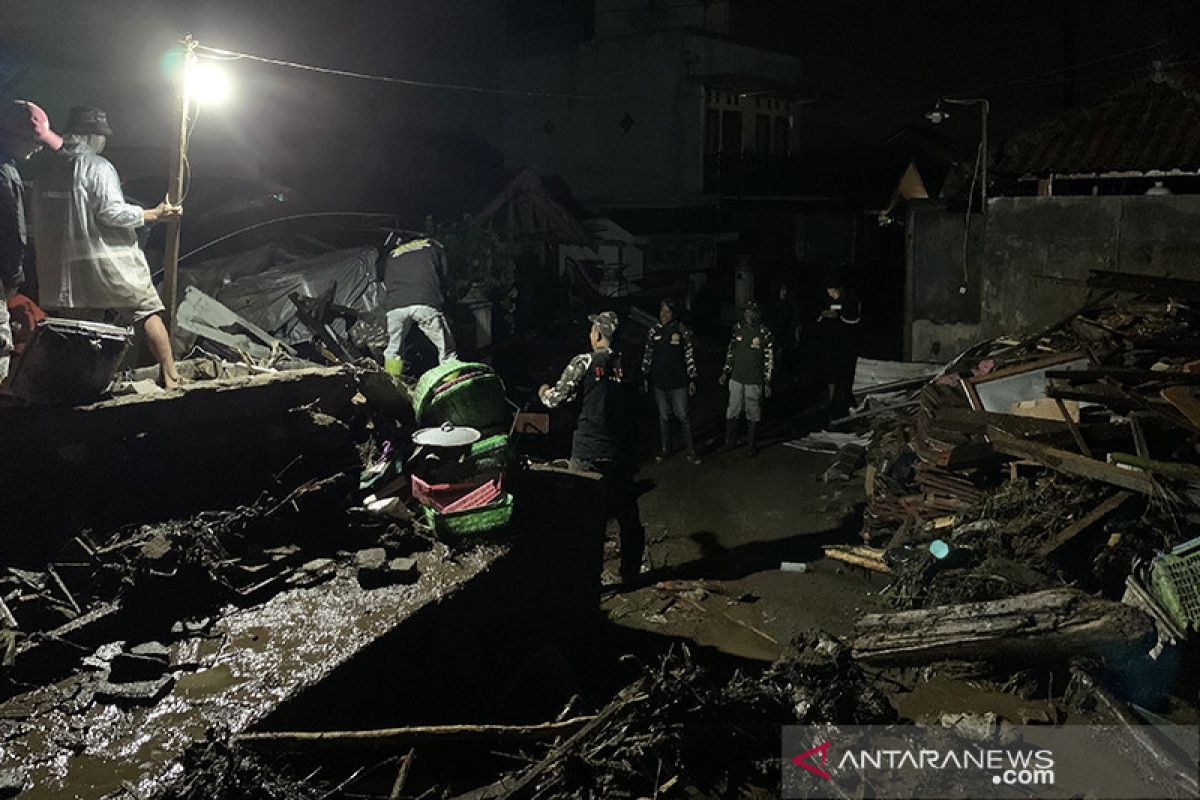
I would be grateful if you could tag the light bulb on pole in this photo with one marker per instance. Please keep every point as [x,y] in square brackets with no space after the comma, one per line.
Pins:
[207,84]
[198,84]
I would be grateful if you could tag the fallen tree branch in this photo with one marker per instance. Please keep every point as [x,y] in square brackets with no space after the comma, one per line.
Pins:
[290,740]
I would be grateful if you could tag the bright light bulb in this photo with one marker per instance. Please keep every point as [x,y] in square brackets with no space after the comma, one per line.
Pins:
[208,84]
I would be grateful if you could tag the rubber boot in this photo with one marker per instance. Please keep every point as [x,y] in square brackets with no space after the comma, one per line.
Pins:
[752,440]
[633,549]
[664,434]
[731,426]
[690,444]
[394,367]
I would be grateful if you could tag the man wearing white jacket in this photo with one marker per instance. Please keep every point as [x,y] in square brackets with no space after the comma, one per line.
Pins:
[89,263]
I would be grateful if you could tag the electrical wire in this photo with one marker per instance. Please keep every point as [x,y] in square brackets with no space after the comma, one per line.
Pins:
[979,156]
[204,51]
[310,215]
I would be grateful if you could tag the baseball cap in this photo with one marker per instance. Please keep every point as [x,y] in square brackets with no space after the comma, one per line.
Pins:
[88,120]
[605,322]
[26,119]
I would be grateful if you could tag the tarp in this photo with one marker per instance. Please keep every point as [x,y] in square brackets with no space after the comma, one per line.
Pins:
[255,285]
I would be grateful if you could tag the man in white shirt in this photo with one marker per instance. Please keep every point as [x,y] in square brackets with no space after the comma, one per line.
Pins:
[89,263]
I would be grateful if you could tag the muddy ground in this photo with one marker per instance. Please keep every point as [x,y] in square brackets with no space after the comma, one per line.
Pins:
[717,534]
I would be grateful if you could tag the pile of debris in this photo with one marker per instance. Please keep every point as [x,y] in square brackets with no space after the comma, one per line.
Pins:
[1069,458]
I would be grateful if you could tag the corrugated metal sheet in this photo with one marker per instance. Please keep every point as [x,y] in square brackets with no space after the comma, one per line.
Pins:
[1152,126]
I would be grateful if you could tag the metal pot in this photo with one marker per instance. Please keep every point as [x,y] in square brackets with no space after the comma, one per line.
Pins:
[440,450]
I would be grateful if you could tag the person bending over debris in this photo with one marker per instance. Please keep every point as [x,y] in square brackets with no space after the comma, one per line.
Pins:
[89,264]
[838,341]
[601,442]
[415,279]
[749,365]
[669,368]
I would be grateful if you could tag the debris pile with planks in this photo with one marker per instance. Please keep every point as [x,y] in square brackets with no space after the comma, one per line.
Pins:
[1041,499]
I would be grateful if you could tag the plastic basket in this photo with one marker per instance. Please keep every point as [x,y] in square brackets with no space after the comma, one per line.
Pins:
[477,401]
[1175,583]
[422,393]
[486,519]
[485,494]
[440,495]
[462,393]
[491,454]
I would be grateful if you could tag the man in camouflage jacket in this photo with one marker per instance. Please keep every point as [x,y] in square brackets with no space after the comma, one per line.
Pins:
[749,366]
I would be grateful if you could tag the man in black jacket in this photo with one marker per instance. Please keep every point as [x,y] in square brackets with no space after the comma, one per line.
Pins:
[415,279]
[669,368]
[24,129]
[601,442]
[837,336]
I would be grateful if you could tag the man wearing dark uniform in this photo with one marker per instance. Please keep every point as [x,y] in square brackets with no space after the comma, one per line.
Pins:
[669,369]
[837,337]
[601,442]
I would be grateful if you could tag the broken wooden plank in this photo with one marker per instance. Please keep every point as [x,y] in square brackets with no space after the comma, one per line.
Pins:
[406,737]
[1150,285]
[1188,473]
[858,555]
[1051,625]
[1072,463]
[1066,417]
[1083,523]
[402,775]
[1184,401]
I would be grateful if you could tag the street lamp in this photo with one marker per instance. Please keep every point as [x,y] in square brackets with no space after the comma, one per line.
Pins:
[938,115]
[198,84]
[208,84]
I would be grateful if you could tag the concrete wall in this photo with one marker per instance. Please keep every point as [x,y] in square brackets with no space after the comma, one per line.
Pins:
[1041,249]
[654,79]
[1033,260]
[943,283]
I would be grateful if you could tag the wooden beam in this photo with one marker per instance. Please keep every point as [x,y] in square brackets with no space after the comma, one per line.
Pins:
[1070,463]
[1054,625]
[406,737]
[1083,523]
[1079,440]
[859,555]
[1151,285]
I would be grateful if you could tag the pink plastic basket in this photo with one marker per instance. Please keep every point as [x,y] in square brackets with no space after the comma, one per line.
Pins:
[450,496]
[476,499]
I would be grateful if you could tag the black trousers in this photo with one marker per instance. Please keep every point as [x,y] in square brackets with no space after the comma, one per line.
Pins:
[621,504]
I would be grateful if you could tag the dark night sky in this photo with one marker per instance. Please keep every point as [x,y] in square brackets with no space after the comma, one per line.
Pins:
[872,67]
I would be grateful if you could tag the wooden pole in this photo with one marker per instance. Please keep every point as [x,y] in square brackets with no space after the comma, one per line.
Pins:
[175,187]
[406,737]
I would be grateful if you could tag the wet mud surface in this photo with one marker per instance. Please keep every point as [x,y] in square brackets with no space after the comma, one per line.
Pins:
[247,663]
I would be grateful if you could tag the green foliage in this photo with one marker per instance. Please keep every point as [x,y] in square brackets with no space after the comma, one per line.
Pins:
[476,256]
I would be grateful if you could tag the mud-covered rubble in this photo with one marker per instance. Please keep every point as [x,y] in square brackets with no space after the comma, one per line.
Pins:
[1070,458]
[1067,458]
[154,578]
[678,730]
